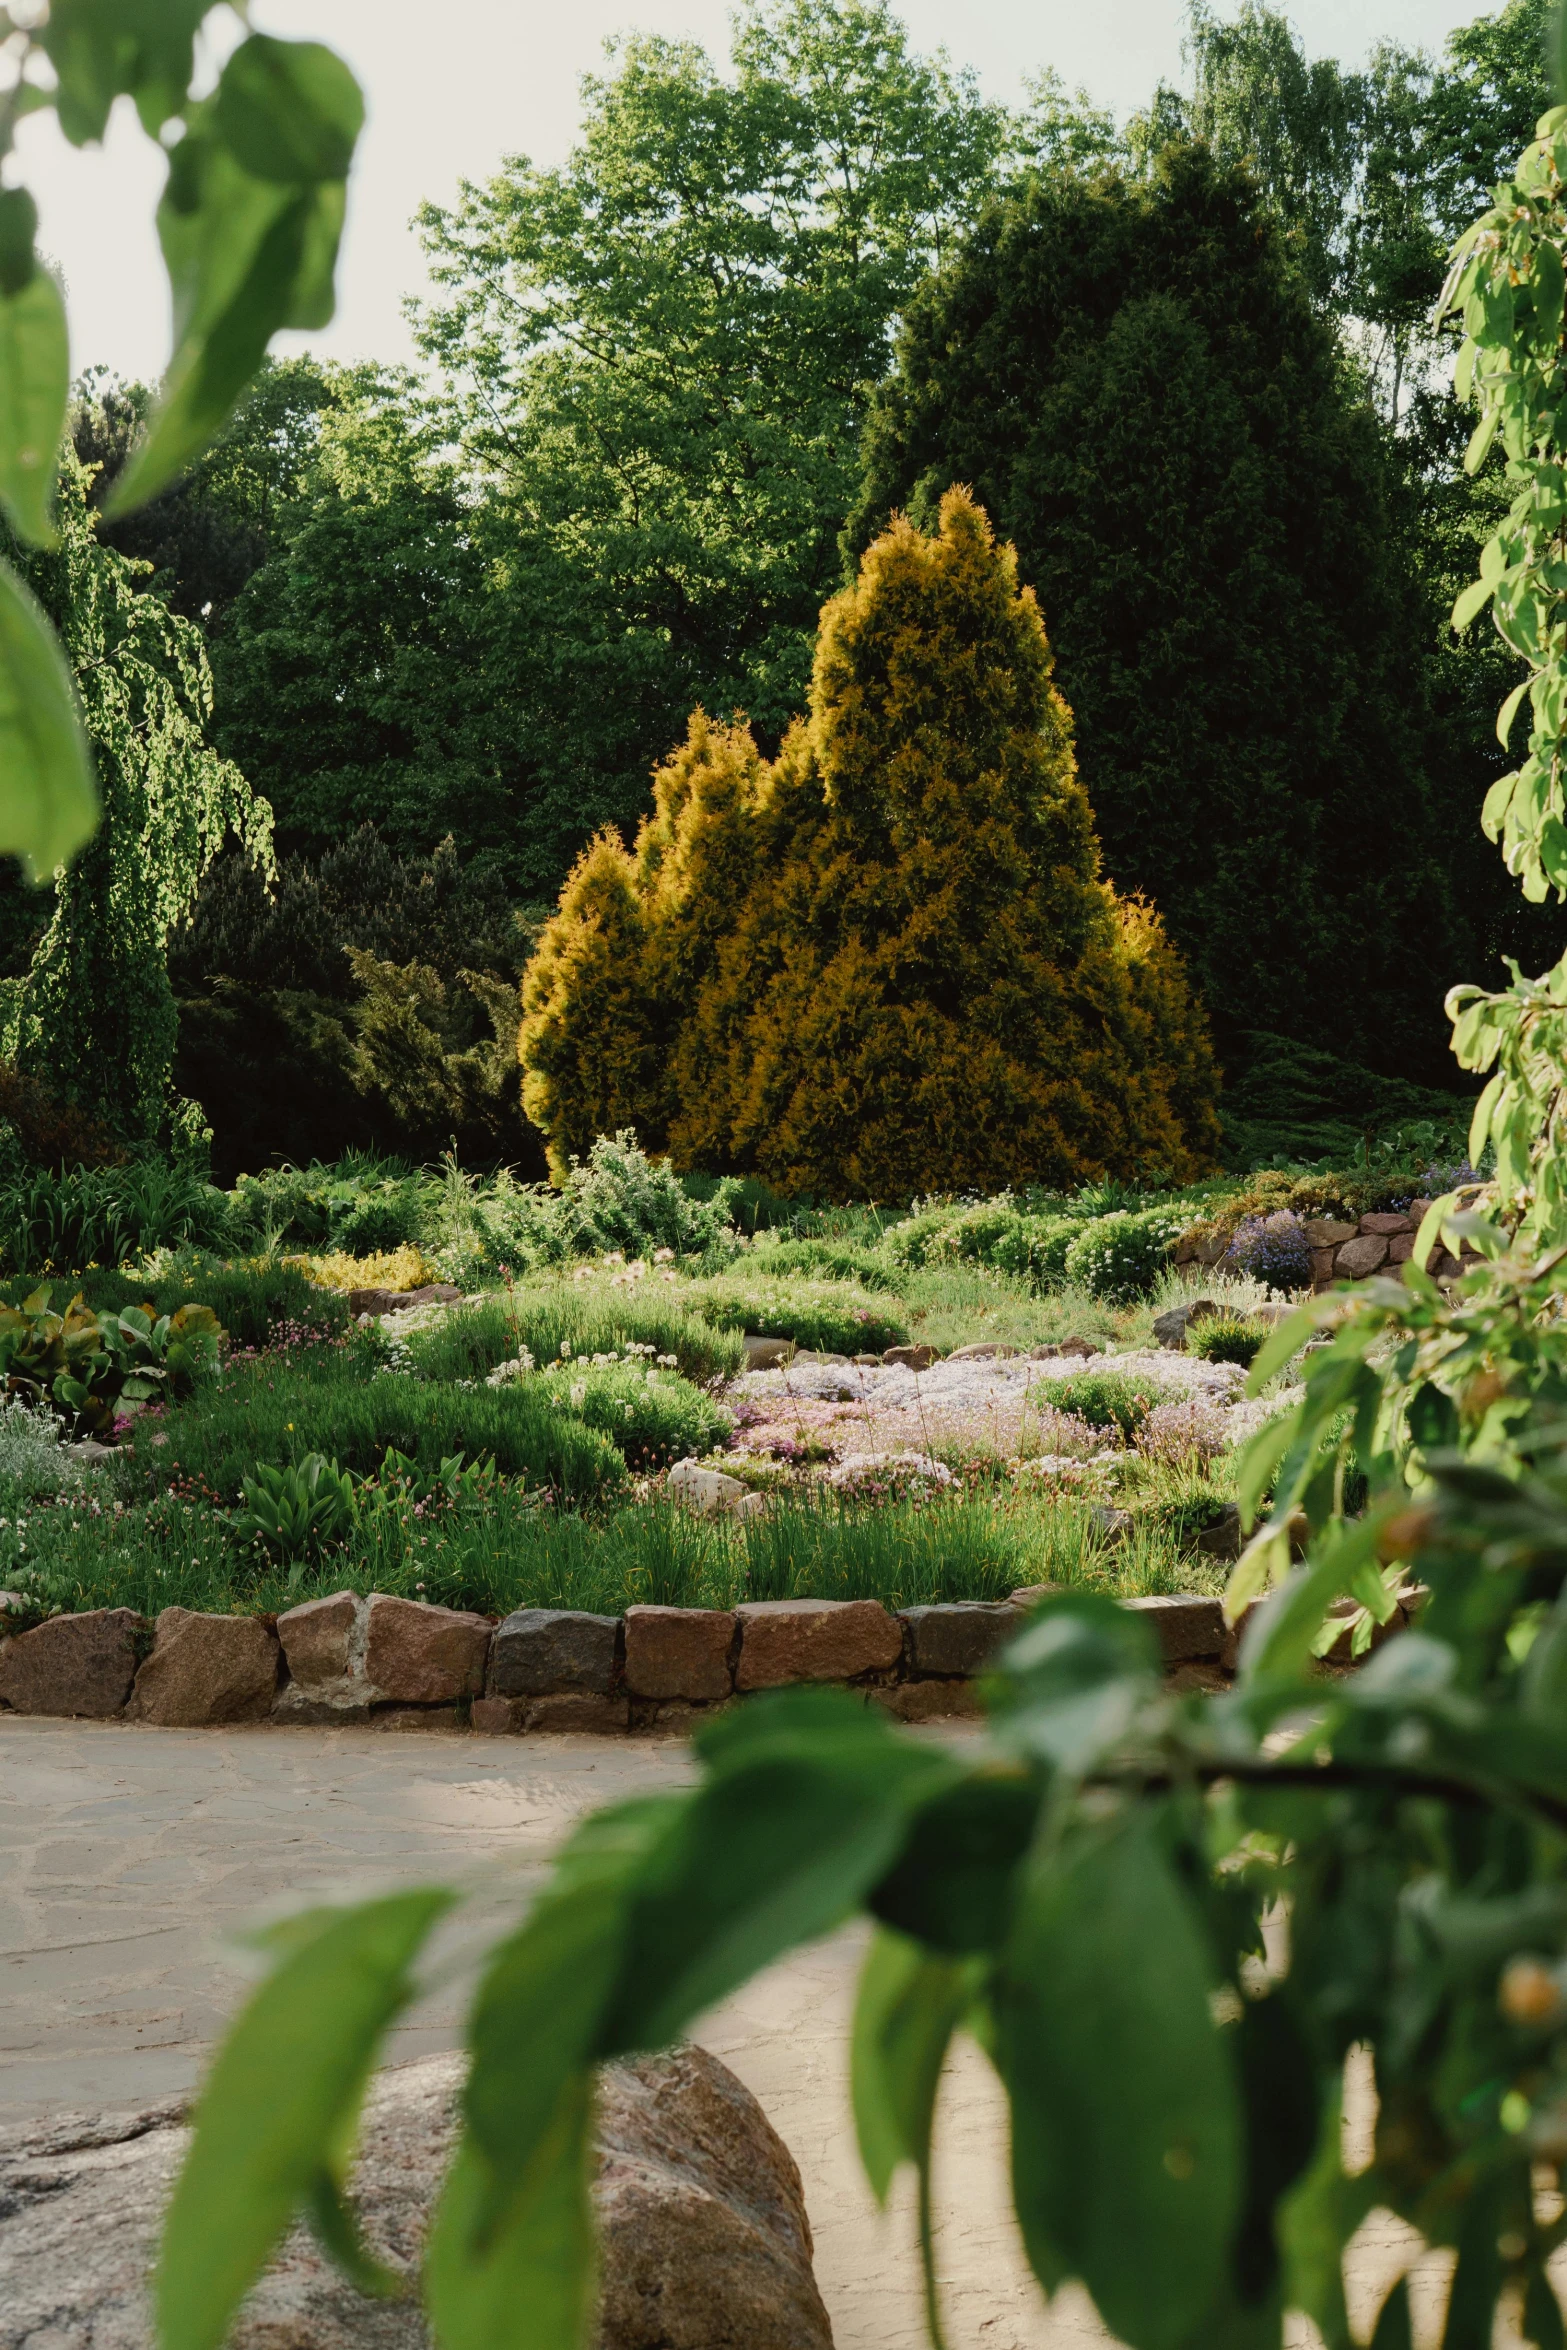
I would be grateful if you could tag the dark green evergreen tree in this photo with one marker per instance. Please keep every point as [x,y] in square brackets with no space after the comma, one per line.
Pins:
[1136,383]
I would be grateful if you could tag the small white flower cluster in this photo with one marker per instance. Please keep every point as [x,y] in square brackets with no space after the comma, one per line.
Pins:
[504,1373]
[30,1448]
[397,1354]
[624,1274]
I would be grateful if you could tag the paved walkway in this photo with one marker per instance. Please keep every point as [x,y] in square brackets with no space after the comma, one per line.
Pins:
[127,1855]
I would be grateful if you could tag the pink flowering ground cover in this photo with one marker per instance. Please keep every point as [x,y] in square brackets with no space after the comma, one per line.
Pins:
[799,1428]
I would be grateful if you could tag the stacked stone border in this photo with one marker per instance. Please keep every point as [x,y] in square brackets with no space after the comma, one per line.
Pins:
[1340,1251]
[399,1664]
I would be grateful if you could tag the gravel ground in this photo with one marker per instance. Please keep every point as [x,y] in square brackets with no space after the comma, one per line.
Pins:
[998,1405]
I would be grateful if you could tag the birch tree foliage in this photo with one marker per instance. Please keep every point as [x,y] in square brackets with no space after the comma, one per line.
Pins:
[249,222]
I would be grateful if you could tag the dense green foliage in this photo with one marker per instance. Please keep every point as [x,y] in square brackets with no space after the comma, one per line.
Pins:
[94,1013]
[364,1002]
[487,616]
[887,958]
[1137,384]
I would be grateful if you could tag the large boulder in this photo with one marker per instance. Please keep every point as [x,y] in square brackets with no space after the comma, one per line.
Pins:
[552,1651]
[206,1669]
[72,1664]
[705,2242]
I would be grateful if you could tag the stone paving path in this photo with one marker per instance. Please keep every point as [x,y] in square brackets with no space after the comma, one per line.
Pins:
[128,1855]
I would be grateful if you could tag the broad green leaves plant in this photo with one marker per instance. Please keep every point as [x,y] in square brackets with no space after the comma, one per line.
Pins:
[84,1365]
[1085,1892]
[294,1505]
[1507,284]
[249,222]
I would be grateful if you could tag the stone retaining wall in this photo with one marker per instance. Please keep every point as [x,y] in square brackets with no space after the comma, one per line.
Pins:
[399,1664]
[1341,1251]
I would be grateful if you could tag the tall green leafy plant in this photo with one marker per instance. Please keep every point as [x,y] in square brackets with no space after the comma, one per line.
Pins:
[95,1013]
[1085,1893]
[1506,283]
[249,222]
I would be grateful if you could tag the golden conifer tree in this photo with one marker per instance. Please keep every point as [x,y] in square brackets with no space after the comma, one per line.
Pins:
[888,962]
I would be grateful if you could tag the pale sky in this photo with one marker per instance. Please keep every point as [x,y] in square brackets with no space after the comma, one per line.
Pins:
[452,89]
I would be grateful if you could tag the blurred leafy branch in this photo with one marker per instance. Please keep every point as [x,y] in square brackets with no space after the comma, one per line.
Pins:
[250,221]
[1170,1921]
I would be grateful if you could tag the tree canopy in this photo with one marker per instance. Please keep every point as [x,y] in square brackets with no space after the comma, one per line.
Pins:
[1136,383]
[95,1013]
[886,961]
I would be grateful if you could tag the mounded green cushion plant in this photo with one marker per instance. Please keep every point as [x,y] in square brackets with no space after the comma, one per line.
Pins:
[1226,1338]
[592,1319]
[1105,1399]
[651,1422]
[1118,1258]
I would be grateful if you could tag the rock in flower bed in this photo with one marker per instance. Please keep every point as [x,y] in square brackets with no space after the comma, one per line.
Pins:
[996,1404]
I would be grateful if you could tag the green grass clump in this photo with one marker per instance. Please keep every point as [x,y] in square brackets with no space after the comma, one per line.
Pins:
[274,1411]
[1105,1399]
[775,1258]
[1225,1338]
[831,1317]
[589,1319]
[952,1305]
[520,1549]
[652,1421]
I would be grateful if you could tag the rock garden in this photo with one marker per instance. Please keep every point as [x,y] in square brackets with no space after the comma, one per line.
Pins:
[608,1455]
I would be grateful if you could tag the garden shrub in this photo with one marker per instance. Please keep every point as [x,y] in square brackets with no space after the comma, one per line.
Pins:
[830,1317]
[1119,1257]
[396,1269]
[619,1198]
[43,1128]
[750,1204]
[1105,1399]
[833,1260]
[1035,1249]
[887,960]
[1273,1249]
[1225,1338]
[652,1418]
[294,1048]
[919,1237]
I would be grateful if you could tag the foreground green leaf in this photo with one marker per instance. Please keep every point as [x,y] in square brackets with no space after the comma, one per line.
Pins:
[48,793]
[1126,2118]
[908,2006]
[289,111]
[538,2016]
[247,255]
[278,2109]
[805,1805]
[530,2286]
[105,49]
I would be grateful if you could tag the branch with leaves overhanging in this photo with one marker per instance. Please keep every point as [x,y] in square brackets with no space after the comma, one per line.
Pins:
[250,221]
[1507,283]
[1086,1895]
